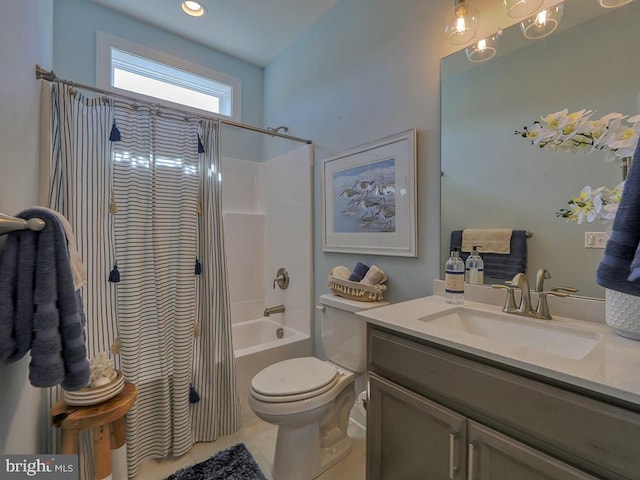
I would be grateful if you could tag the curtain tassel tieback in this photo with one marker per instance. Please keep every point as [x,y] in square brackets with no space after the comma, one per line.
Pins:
[200,145]
[196,330]
[114,275]
[198,207]
[113,206]
[193,395]
[115,346]
[115,136]
[198,268]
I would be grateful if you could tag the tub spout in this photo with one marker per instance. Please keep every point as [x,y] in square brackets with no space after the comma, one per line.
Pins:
[277,309]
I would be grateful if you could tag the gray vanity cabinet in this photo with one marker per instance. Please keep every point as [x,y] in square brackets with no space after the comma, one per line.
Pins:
[435,413]
[493,456]
[412,437]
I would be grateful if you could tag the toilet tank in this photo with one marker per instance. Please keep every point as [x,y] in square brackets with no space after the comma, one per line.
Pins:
[343,334]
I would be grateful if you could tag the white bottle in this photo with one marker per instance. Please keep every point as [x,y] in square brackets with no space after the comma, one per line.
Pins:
[474,267]
[454,278]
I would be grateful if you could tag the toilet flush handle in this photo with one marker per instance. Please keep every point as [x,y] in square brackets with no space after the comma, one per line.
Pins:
[320,307]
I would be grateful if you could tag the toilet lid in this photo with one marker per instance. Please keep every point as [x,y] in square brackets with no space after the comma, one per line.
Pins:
[294,377]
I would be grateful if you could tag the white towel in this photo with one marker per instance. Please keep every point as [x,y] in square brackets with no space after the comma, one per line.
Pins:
[77,267]
[494,240]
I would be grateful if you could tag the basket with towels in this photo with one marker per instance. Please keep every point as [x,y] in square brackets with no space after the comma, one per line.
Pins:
[363,284]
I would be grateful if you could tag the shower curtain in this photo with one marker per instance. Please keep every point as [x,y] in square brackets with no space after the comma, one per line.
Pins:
[149,201]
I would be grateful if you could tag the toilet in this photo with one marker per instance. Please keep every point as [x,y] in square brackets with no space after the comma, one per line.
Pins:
[310,399]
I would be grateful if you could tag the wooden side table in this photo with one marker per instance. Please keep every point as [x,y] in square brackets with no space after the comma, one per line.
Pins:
[106,419]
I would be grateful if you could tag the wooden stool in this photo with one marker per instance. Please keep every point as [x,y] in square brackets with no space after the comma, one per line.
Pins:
[107,421]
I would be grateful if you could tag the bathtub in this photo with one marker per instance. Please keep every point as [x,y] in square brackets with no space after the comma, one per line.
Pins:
[256,345]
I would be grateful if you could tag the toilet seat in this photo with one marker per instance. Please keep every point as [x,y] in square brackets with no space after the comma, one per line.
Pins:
[294,380]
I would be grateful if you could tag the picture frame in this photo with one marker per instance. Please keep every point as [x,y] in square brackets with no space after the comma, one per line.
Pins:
[369,198]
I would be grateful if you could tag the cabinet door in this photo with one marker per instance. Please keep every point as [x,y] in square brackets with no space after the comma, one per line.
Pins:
[493,456]
[410,437]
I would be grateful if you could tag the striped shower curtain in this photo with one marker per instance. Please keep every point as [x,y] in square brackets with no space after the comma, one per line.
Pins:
[79,175]
[165,212]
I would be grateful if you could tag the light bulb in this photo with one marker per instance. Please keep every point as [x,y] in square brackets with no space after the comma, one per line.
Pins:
[543,23]
[483,50]
[461,24]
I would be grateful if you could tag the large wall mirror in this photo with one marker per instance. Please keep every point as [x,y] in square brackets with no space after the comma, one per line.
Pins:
[492,178]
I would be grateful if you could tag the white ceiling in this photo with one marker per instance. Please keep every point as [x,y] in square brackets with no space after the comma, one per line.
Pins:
[253,30]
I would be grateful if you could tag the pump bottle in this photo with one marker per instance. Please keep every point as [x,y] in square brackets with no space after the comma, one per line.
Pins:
[454,278]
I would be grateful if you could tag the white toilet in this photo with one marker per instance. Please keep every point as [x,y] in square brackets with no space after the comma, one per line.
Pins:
[310,399]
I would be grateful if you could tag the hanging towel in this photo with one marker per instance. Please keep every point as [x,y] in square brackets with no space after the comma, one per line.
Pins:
[17,261]
[494,240]
[497,265]
[57,338]
[77,267]
[620,266]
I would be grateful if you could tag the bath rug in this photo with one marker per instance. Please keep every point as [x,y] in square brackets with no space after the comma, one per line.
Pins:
[234,463]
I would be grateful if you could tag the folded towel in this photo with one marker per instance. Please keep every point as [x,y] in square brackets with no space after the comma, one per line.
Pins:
[359,272]
[494,240]
[374,276]
[620,266]
[54,326]
[341,272]
[497,265]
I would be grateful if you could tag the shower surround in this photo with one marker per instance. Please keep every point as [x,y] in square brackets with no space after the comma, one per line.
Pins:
[267,214]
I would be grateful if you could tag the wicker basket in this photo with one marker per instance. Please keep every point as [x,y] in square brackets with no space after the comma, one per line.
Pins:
[360,292]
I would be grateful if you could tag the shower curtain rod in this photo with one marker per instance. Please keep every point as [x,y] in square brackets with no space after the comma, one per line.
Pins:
[50,76]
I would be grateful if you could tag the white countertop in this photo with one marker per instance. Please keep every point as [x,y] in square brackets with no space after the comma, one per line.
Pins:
[612,368]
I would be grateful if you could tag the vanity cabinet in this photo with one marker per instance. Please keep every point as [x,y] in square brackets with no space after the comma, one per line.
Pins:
[435,413]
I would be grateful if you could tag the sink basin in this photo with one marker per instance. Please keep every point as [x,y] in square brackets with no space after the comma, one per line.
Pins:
[518,332]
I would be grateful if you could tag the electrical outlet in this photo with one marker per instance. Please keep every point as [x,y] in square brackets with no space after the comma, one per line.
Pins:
[595,239]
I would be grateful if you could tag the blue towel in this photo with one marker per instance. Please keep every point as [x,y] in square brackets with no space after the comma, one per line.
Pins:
[359,271]
[620,266]
[497,265]
[41,311]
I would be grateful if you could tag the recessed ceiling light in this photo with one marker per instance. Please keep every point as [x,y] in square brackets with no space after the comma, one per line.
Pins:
[192,8]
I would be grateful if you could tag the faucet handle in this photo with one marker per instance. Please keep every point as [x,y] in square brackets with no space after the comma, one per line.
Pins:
[565,289]
[543,306]
[510,301]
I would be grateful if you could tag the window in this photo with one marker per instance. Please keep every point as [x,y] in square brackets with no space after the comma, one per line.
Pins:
[139,71]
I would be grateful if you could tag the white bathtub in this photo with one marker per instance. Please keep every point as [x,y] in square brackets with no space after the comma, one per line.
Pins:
[256,346]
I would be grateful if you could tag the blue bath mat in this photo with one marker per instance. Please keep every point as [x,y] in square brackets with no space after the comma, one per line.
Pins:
[234,463]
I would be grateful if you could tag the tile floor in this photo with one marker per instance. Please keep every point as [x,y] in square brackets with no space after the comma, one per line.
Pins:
[259,437]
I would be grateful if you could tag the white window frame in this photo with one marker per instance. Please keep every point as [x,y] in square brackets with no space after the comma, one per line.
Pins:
[229,100]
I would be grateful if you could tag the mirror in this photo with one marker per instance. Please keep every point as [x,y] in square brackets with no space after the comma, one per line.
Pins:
[492,178]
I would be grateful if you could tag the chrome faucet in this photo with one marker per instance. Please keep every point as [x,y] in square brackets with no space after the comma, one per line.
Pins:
[277,309]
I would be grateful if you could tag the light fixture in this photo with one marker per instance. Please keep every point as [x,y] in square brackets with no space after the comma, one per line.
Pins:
[195,9]
[461,23]
[613,3]
[521,8]
[484,49]
[543,23]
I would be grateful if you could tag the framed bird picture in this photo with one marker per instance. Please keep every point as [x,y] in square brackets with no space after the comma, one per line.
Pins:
[369,198]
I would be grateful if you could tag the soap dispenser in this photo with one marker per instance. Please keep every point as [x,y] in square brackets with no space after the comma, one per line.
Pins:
[474,267]
[454,278]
